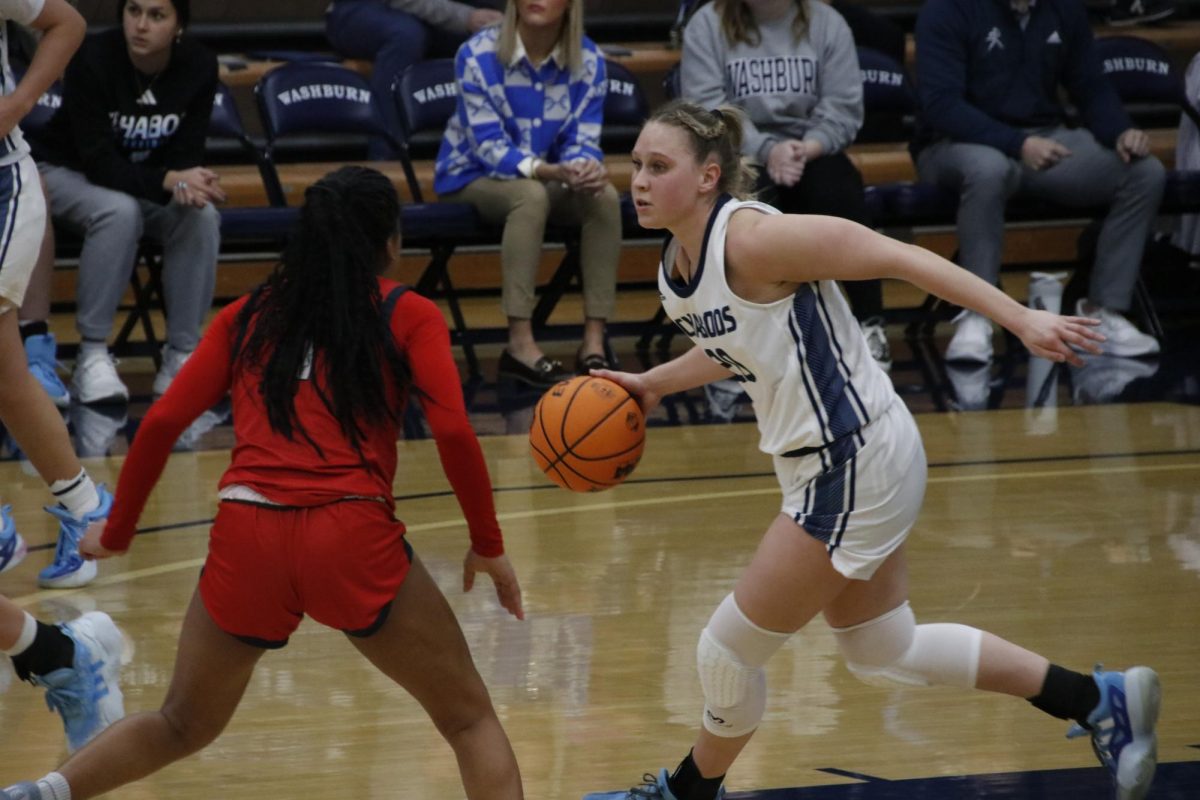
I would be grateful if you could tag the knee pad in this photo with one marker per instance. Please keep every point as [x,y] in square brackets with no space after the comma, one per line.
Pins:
[730,657]
[892,650]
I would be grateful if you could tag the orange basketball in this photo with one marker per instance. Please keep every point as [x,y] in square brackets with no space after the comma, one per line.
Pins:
[587,434]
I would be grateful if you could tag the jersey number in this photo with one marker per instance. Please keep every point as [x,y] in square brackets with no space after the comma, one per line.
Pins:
[739,370]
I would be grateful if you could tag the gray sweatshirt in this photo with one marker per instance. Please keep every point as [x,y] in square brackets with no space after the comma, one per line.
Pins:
[807,89]
[445,14]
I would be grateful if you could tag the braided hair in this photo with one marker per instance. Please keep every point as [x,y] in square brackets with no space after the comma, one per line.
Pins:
[715,134]
[319,315]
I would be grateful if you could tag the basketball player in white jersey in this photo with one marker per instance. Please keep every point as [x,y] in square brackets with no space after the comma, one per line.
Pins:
[755,290]
[76,663]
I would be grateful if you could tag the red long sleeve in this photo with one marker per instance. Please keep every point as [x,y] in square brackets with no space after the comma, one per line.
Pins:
[291,471]
[421,332]
[200,385]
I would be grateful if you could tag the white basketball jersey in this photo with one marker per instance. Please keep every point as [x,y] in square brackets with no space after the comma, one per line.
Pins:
[802,359]
[13,146]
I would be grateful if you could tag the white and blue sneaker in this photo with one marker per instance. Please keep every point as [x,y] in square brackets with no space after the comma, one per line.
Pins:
[1122,728]
[69,569]
[652,788]
[88,695]
[22,791]
[41,353]
[12,546]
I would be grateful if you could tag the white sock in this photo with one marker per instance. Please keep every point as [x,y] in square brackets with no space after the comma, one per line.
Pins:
[78,495]
[54,787]
[28,634]
[89,346]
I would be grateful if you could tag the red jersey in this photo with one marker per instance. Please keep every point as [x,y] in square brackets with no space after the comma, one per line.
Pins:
[291,472]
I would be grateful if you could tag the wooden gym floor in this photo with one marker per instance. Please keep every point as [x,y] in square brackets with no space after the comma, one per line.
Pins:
[1074,531]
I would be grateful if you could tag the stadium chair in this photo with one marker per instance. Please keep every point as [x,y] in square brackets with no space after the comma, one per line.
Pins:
[301,98]
[1142,74]
[426,95]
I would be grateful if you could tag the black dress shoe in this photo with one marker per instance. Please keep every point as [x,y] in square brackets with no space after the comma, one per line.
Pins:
[591,361]
[544,373]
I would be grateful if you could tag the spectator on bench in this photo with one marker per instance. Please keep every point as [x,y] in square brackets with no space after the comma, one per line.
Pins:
[792,67]
[397,33]
[523,147]
[988,74]
[122,158]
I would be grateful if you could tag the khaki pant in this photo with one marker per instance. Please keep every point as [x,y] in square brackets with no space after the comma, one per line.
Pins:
[523,207]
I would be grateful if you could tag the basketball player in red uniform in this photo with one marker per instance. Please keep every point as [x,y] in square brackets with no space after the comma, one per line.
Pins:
[320,361]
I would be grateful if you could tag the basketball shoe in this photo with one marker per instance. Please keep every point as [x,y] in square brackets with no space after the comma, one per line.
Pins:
[87,696]
[652,788]
[1122,728]
[12,546]
[69,569]
[22,791]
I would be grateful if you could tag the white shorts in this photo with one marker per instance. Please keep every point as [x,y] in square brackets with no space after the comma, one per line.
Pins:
[861,495]
[22,223]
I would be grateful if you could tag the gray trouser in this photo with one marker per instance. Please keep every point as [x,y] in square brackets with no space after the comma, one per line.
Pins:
[524,206]
[986,178]
[111,223]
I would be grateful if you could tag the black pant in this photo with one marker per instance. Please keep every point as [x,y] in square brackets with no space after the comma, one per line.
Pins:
[831,185]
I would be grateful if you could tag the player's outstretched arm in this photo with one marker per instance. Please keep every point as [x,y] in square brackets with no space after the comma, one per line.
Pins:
[785,248]
[688,371]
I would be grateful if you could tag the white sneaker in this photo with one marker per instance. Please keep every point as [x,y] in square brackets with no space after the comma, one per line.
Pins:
[877,342]
[172,361]
[972,340]
[972,384]
[1121,337]
[96,380]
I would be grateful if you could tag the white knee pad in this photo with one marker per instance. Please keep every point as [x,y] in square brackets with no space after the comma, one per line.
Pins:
[730,657]
[893,650]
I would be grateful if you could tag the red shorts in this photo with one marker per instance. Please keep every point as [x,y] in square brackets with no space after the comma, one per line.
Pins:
[340,563]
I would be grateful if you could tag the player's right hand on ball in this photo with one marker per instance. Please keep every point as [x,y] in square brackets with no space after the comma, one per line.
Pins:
[635,384]
[508,590]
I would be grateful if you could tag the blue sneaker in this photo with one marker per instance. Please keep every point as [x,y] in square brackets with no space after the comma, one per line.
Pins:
[1122,728]
[22,791]
[69,568]
[41,353]
[12,546]
[652,788]
[88,696]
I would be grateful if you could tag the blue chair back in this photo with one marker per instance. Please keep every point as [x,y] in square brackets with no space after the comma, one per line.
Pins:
[1141,72]
[426,95]
[625,103]
[886,88]
[44,110]
[225,121]
[304,97]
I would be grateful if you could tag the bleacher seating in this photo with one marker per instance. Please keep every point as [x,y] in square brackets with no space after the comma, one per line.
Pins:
[884,160]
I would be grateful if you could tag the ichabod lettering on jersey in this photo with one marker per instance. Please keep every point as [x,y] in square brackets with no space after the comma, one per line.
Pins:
[772,75]
[324,91]
[1150,65]
[717,322]
[50,100]
[142,133]
[439,91]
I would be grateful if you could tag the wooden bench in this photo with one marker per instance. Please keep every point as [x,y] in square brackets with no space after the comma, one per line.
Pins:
[879,164]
